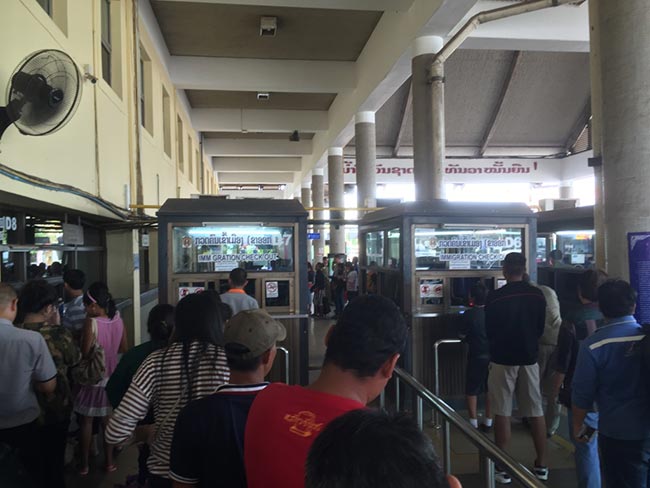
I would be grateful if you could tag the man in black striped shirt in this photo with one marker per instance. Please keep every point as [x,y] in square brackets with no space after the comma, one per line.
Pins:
[207,448]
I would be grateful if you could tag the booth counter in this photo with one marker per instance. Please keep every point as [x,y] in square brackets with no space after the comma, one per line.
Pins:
[201,240]
[425,256]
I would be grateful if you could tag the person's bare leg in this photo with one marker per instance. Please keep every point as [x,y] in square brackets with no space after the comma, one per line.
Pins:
[85,437]
[538,431]
[471,406]
[502,431]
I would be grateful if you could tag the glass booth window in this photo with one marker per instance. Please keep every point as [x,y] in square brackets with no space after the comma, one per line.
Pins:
[375,248]
[216,247]
[464,248]
[393,248]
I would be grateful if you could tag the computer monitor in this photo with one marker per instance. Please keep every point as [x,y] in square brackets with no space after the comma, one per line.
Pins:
[578,258]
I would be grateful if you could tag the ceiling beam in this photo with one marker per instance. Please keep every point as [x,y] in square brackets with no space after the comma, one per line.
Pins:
[268,75]
[255,164]
[238,120]
[489,132]
[257,178]
[384,65]
[579,126]
[561,29]
[255,147]
[403,118]
[373,5]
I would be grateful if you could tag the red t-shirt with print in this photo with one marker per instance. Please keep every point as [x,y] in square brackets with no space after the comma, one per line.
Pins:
[282,424]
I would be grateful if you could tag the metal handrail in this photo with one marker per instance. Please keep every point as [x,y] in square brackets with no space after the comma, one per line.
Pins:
[436,363]
[286,363]
[488,451]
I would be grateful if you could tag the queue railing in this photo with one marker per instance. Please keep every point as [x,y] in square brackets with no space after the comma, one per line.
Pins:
[489,453]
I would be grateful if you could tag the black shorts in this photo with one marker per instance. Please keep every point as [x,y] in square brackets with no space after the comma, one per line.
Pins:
[477,376]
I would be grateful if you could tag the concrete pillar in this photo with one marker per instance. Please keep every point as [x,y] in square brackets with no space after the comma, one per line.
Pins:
[625,62]
[335,194]
[305,199]
[305,196]
[600,253]
[123,277]
[318,201]
[366,155]
[427,171]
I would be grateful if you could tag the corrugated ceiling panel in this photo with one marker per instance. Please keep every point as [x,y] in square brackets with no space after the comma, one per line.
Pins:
[474,80]
[547,96]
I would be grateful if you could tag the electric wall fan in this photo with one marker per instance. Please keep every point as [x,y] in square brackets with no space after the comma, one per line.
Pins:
[43,93]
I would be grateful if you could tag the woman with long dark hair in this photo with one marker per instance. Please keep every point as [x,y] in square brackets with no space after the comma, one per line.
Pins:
[190,368]
[104,327]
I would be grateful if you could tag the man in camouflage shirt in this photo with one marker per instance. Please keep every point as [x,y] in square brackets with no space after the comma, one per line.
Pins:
[37,311]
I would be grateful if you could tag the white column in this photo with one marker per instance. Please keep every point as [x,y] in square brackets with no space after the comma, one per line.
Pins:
[335,192]
[428,120]
[366,156]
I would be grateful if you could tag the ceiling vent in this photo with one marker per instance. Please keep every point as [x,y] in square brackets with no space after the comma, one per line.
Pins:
[268,26]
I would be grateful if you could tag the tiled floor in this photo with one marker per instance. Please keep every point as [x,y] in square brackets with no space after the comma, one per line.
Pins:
[464,454]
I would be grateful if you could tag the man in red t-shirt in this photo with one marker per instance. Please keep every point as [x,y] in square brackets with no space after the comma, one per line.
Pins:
[362,350]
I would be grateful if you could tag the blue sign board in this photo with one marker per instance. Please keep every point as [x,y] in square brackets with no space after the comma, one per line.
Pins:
[639,258]
[313,235]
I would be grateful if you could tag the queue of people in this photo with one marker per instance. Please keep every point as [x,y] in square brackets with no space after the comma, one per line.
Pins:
[196,401]
[589,361]
[339,288]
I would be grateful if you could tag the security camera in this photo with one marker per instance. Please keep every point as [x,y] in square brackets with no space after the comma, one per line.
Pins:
[88,74]
[268,26]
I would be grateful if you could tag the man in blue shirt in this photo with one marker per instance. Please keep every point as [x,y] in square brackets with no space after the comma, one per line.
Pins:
[608,372]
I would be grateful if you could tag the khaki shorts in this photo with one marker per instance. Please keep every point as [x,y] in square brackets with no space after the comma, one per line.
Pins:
[503,381]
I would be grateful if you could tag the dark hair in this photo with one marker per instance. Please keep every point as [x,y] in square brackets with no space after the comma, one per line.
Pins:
[34,297]
[196,319]
[237,363]
[616,298]
[478,292]
[370,330]
[98,293]
[514,264]
[238,276]
[75,278]
[224,309]
[588,283]
[556,255]
[160,322]
[368,449]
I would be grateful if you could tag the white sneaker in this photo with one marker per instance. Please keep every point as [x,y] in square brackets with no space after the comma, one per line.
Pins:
[502,477]
[541,472]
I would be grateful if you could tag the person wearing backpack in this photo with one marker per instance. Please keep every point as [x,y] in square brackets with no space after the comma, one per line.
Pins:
[576,327]
[608,372]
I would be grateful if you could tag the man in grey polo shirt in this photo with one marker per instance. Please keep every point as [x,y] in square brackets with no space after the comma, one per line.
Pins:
[236,298]
[26,367]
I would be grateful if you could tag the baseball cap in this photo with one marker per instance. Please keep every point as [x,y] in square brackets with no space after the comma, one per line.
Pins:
[255,330]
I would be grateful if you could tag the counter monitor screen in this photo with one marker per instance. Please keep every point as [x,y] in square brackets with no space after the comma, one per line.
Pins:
[501,282]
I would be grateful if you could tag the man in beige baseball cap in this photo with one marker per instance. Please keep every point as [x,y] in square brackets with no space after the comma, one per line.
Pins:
[207,448]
